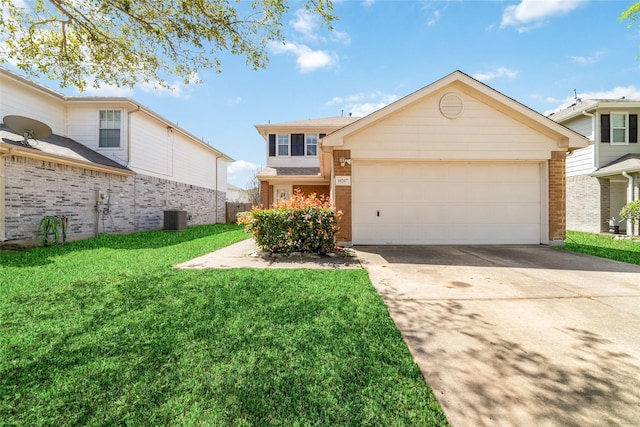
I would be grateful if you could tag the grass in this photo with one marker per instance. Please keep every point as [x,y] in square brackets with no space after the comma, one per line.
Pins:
[104,332]
[604,246]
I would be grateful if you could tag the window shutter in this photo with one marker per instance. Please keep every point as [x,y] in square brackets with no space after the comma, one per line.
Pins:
[297,144]
[633,128]
[605,128]
[272,145]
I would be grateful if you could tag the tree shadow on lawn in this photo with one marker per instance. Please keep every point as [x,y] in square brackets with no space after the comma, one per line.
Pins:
[484,377]
[223,347]
[37,256]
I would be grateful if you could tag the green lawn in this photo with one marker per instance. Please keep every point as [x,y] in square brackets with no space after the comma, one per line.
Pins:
[104,332]
[604,246]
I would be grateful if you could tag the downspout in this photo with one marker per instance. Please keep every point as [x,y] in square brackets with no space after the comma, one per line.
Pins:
[135,197]
[629,199]
[216,190]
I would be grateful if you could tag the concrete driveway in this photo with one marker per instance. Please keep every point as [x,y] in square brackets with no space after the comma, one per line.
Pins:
[519,335]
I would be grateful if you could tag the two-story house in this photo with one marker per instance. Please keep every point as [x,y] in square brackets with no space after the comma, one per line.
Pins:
[293,157]
[110,165]
[605,175]
[455,162]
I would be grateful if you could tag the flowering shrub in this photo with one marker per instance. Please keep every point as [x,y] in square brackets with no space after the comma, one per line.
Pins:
[300,224]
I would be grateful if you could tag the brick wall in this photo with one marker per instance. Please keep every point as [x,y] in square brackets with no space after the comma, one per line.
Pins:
[266,194]
[35,188]
[557,194]
[342,197]
[587,203]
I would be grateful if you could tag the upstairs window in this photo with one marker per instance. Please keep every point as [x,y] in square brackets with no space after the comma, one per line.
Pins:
[109,128]
[295,144]
[619,128]
[283,144]
[312,144]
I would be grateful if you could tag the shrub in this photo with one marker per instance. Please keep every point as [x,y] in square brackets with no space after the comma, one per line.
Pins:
[631,211]
[300,224]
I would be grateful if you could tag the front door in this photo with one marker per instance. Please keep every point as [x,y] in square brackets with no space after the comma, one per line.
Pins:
[282,193]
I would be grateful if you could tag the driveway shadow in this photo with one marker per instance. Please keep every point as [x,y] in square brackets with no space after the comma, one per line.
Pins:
[482,376]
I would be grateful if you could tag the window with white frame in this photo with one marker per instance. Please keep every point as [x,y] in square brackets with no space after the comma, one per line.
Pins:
[283,144]
[312,144]
[619,128]
[109,128]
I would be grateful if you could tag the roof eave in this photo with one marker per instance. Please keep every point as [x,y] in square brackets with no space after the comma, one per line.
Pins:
[10,150]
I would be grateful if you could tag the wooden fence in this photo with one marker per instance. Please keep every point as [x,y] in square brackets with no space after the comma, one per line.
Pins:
[233,208]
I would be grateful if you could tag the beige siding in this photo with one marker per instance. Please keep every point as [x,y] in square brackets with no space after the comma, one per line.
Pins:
[292,161]
[581,162]
[23,100]
[611,152]
[421,132]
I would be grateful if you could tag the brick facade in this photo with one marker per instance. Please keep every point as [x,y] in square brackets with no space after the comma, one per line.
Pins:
[557,197]
[342,197]
[35,188]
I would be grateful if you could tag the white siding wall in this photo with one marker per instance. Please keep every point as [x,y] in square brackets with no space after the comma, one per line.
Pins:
[421,132]
[581,162]
[25,100]
[84,127]
[160,151]
[584,125]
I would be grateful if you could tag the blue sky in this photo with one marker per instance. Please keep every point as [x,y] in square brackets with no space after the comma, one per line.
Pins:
[534,51]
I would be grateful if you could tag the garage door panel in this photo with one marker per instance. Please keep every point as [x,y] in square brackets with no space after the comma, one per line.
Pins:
[446,203]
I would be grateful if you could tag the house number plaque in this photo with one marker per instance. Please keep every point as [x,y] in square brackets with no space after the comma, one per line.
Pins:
[343,180]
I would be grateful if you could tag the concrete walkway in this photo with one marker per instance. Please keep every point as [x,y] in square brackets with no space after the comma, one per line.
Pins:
[505,336]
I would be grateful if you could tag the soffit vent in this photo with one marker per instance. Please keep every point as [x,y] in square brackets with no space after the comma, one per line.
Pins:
[451,105]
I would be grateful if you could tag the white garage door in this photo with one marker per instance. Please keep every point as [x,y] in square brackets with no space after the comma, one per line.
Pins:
[446,203]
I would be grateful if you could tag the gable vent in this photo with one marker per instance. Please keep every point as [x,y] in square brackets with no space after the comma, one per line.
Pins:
[451,105]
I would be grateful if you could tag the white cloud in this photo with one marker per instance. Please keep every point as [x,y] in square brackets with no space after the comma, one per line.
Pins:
[361,105]
[500,72]
[588,59]
[235,101]
[368,3]
[433,20]
[179,89]
[305,23]
[340,37]
[628,92]
[241,171]
[308,60]
[531,14]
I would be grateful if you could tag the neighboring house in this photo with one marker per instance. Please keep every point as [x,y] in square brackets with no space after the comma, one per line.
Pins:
[236,194]
[111,165]
[605,175]
[454,163]
[293,157]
